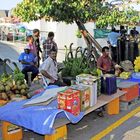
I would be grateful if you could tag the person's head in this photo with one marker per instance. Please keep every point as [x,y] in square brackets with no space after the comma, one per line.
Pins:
[113,29]
[27,49]
[53,54]
[30,39]
[51,35]
[134,28]
[105,51]
[36,32]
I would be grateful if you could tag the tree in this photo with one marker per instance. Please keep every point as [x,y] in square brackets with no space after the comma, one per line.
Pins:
[121,14]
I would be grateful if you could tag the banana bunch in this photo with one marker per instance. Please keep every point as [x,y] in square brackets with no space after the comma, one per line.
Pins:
[137,64]
[125,75]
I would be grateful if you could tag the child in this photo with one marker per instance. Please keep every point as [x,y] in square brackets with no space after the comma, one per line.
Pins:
[31,45]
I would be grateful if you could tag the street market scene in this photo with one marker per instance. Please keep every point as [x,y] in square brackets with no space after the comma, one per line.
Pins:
[70,70]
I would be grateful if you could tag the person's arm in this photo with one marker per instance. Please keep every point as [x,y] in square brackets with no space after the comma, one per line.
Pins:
[45,73]
[99,64]
[24,62]
[44,68]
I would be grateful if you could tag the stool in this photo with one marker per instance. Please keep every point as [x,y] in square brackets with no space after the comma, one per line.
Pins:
[11,131]
[113,107]
[60,133]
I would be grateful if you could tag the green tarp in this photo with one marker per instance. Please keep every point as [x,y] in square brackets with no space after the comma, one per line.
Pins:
[101,33]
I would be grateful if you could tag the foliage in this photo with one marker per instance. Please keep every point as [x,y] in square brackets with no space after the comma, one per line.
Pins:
[114,16]
[72,10]
[59,10]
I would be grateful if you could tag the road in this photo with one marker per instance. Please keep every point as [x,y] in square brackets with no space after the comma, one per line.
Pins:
[91,124]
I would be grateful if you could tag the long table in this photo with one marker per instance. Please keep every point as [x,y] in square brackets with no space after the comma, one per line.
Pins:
[102,100]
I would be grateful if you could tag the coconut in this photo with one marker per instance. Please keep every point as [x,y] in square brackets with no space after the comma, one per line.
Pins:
[12,96]
[18,82]
[10,84]
[7,88]
[17,91]
[23,91]
[23,86]
[1,88]
[4,96]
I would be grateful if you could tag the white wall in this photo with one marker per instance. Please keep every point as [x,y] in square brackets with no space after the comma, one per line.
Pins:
[65,34]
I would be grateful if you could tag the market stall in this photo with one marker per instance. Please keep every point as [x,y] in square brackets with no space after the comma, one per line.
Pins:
[54,107]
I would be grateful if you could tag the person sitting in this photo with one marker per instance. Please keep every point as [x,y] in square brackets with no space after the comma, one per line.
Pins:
[48,45]
[104,63]
[28,61]
[49,69]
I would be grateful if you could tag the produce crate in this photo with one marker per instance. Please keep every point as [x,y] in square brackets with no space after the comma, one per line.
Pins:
[113,107]
[60,134]
[84,96]
[11,131]
[132,90]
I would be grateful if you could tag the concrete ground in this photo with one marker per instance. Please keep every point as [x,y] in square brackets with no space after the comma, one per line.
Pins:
[91,124]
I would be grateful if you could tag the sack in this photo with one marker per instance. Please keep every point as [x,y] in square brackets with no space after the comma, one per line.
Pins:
[127,65]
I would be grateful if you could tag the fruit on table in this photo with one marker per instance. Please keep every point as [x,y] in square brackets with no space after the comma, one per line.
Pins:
[137,64]
[125,75]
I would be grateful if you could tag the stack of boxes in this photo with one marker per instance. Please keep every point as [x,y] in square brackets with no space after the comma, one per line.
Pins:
[79,97]
[90,82]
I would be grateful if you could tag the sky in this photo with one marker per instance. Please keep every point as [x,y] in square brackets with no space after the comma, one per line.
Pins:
[8,4]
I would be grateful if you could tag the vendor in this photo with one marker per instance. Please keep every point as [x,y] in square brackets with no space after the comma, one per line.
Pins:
[50,71]
[104,63]
[28,61]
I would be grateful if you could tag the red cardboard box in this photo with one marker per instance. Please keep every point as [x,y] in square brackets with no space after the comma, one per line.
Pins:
[69,100]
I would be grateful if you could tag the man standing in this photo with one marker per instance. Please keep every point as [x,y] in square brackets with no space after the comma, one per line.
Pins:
[48,45]
[28,61]
[112,40]
[36,34]
[50,71]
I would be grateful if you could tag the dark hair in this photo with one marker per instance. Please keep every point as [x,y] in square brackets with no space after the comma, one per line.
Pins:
[35,30]
[50,34]
[105,48]
[113,29]
[53,50]
[29,37]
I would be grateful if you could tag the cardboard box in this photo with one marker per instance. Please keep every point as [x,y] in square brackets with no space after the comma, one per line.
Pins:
[69,100]
[85,79]
[84,96]
[90,82]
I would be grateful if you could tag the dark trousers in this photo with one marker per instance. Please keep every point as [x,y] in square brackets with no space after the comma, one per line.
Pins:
[114,53]
[32,69]
[58,83]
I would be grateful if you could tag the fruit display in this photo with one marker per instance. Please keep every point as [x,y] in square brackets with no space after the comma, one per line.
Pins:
[12,86]
[125,75]
[137,64]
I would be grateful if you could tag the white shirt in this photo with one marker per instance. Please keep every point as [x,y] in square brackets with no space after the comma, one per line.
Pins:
[50,66]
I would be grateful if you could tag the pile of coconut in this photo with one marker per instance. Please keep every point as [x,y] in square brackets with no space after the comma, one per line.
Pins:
[13,86]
